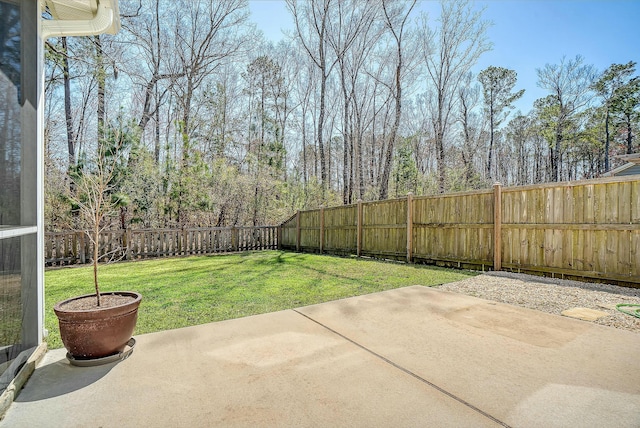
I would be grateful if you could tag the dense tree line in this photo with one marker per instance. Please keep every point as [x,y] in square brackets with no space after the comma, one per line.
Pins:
[362,100]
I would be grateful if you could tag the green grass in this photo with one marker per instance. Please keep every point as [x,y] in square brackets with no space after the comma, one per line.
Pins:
[180,292]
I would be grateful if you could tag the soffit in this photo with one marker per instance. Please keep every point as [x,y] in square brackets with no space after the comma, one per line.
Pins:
[80,17]
[72,9]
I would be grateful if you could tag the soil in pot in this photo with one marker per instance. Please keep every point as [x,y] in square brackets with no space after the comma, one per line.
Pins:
[90,302]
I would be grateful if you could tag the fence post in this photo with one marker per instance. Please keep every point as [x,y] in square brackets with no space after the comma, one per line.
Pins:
[74,249]
[409,226]
[298,230]
[126,237]
[234,239]
[359,229]
[83,253]
[497,226]
[278,237]
[321,229]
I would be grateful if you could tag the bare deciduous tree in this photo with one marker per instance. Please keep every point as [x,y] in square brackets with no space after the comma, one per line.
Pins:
[312,21]
[351,38]
[449,53]
[205,35]
[470,121]
[396,17]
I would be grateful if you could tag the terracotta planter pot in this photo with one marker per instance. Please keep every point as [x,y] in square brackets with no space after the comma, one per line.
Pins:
[100,332]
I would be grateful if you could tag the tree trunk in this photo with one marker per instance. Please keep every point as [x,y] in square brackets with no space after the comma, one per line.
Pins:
[156,147]
[440,159]
[323,160]
[556,158]
[386,172]
[629,135]
[346,191]
[466,152]
[71,139]
[351,166]
[304,151]
[146,107]
[185,122]
[606,141]
[101,74]
[96,249]
[360,164]
[490,144]
[156,151]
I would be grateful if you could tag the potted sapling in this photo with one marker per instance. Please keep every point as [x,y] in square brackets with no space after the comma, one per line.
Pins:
[98,327]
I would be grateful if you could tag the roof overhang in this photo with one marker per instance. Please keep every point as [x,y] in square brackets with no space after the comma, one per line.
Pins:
[632,160]
[81,18]
[634,157]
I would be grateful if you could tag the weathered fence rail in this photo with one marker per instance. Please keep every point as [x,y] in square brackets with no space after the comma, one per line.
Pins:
[74,247]
[586,229]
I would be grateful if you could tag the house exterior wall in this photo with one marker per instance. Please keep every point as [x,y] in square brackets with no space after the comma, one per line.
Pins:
[629,171]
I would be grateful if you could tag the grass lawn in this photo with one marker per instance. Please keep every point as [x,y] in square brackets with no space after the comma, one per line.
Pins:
[180,292]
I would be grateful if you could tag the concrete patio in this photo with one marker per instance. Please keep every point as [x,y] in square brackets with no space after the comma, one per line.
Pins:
[408,357]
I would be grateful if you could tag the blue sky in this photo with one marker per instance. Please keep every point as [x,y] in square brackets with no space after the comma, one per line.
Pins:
[526,34]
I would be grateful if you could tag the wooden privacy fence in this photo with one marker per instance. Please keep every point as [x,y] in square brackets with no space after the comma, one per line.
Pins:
[74,247]
[586,229]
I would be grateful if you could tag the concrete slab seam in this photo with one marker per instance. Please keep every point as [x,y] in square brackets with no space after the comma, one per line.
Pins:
[409,372]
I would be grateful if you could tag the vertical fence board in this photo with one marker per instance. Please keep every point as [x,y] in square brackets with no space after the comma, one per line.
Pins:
[524,246]
[634,254]
[578,204]
[578,250]
[568,205]
[497,227]
[635,202]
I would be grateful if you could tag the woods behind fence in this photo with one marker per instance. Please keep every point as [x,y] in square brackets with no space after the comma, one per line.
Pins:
[584,229]
[63,248]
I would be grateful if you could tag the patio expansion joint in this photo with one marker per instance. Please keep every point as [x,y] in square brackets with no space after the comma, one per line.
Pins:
[408,372]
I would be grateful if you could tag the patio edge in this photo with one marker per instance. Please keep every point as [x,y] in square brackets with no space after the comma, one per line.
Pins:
[14,387]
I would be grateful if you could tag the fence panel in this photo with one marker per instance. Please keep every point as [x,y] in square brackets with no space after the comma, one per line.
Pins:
[340,229]
[588,229]
[454,228]
[74,247]
[310,230]
[384,228]
[64,248]
[288,233]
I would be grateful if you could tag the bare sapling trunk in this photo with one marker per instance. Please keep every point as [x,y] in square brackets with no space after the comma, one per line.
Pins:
[96,251]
